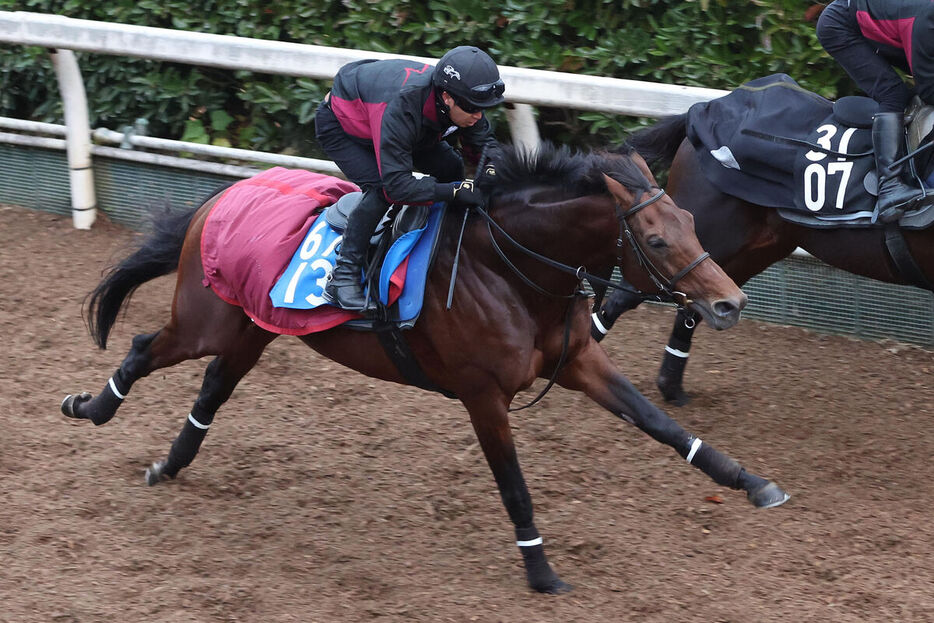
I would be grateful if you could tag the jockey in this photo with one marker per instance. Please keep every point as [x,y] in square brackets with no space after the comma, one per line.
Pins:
[867,38]
[384,119]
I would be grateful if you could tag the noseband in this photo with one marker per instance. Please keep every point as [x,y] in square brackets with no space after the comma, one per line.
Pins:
[658,278]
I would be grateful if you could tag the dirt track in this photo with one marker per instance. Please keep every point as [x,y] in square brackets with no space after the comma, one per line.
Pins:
[322,495]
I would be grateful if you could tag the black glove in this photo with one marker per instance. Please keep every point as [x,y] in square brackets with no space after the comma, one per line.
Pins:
[459,193]
[486,180]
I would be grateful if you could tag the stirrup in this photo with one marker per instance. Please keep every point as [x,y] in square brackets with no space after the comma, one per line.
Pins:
[332,294]
[895,213]
[892,215]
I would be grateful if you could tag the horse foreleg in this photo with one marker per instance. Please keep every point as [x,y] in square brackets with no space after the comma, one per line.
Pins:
[102,407]
[671,374]
[220,379]
[491,424]
[592,373]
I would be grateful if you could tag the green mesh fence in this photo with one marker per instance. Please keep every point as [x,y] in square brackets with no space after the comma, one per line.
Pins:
[805,292]
[797,291]
[126,191]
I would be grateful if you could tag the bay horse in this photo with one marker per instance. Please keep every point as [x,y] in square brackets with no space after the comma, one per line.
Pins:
[746,238]
[515,316]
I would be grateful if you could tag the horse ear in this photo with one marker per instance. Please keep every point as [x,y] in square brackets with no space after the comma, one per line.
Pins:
[617,190]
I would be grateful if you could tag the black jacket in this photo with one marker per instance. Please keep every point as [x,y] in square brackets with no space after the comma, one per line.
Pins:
[905,25]
[393,105]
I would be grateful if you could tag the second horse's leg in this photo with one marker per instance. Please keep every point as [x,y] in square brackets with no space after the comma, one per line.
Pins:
[220,378]
[670,381]
[618,302]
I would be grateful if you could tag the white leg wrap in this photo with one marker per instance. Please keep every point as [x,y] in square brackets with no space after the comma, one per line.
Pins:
[531,543]
[676,352]
[695,446]
[198,424]
[113,388]
[596,322]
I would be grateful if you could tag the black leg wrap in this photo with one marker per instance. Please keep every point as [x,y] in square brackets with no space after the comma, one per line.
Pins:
[121,381]
[103,407]
[670,379]
[619,302]
[540,575]
[186,445]
[673,367]
[683,331]
[724,470]
[527,534]
[671,373]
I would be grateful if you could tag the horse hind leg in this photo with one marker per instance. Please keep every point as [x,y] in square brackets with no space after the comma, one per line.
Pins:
[220,379]
[139,362]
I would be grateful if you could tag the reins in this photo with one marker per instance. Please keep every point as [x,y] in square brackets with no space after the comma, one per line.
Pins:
[666,285]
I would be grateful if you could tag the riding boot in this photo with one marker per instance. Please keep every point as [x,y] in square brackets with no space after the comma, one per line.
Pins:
[895,195]
[345,285]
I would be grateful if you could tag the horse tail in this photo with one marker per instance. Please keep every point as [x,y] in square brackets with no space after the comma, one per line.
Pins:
[157,255]
[659,143]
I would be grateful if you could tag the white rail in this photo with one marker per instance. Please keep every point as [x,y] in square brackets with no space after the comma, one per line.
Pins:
[528,86]
[525,87]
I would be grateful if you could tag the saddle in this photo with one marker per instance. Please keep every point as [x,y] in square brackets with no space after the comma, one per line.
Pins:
[399,219]
[773,143]
[397,264]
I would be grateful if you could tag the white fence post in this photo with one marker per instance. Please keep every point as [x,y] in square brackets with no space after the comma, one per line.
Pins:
[77,138]
[523,127]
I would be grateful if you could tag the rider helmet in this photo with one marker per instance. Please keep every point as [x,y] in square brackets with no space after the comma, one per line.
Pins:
[470,76]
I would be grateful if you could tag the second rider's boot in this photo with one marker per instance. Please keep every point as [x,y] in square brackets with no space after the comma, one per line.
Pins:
[895,195]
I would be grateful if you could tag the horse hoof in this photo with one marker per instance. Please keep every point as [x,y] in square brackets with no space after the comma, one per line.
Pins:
[556,587]
[768,495]
[674,395]
[71,402]
[155,473]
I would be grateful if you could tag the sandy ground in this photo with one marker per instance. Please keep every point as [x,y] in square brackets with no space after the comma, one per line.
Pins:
[323,495]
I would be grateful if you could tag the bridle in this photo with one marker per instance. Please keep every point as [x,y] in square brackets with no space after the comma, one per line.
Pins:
[665,284]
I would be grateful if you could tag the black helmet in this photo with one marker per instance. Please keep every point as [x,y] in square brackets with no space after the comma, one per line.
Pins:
[470,75]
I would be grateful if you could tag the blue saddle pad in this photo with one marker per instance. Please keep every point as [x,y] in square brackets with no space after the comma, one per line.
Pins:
[301,285]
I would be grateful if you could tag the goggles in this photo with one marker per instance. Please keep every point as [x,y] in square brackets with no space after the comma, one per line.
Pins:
[481,92]
[489,91]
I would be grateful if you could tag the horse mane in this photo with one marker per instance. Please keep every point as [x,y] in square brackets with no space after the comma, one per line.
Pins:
[573,173]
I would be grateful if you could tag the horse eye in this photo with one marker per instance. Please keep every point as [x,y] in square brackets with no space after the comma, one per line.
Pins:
[657,242]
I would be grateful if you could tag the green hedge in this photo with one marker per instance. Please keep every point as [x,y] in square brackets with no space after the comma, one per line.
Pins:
[707,43]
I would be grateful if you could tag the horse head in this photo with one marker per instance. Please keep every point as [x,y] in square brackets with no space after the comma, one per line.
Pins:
[662,241]
[602,210]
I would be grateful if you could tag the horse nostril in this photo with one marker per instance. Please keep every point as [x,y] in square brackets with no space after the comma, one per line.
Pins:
[725,309]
